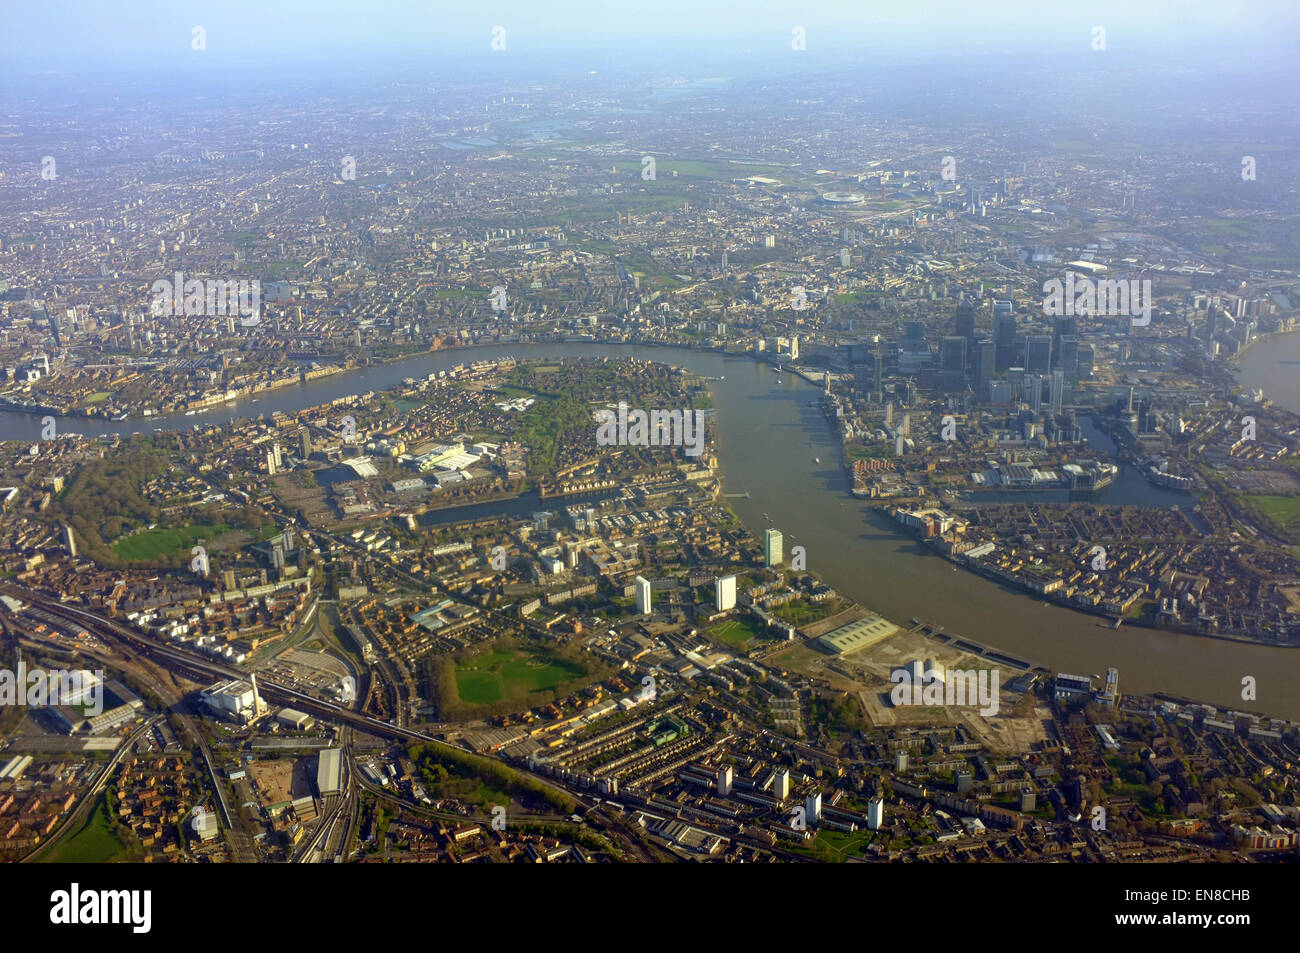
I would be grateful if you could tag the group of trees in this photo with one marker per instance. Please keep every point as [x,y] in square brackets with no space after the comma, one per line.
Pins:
[103,502]
[103,499]
[432,756]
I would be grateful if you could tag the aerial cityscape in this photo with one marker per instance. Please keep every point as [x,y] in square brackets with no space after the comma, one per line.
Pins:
[648,456]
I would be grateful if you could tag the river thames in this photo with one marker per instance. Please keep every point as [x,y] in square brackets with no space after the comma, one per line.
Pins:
[771,432]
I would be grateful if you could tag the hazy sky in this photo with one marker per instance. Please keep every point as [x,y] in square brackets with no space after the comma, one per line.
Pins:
[69,36]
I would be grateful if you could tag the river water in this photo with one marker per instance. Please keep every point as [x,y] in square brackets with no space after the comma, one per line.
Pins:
[1272,364]
[771,432]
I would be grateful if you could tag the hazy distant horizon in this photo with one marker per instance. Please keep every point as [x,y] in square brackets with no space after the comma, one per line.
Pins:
[83,37]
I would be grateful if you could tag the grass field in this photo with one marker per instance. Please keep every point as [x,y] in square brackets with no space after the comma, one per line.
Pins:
[502,675]
[94,843]
[509,390]
[738,632]
[152,543]
[800,613]
[835,847]
[865,453]
[1283,510]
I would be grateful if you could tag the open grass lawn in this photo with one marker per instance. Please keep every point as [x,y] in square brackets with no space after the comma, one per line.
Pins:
[503,675]
[1283,510]
[153,543]
[800,613]
[835,847]
[738,632]
[93,843]
[509,390]
[477,687]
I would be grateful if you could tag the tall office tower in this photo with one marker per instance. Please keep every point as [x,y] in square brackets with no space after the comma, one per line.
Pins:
[279,458]
[889,414]
[643,595]
[69,541]
[725,593]
[772,554]
[1057,399]
[724,780]
[862,380]
[1031,391]
[1068,356]
[1087,358]
[878,371]
[277,557]
[952,362]
[875,813]
[914,332]
[270,463]
[985,365]
[963,323]
[1004,335]
[1038,353]
[794,348]
[304,443]
[781,786]
[905,428]
[1063,326]
[812,806]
